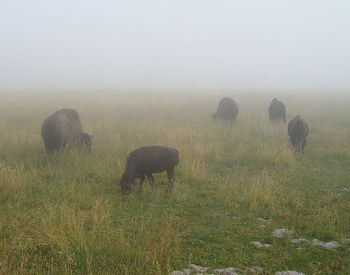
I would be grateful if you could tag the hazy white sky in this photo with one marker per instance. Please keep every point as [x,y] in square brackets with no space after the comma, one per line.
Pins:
[191,44]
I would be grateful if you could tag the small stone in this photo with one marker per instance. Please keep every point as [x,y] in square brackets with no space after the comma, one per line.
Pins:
[328,245]
[288,273]
[346,189]
[187,271]
[255,270]
[261,245]
[280,233]
[198,268]
[258,244]
[345,240]
[226,271]
[299,241]
[176,272]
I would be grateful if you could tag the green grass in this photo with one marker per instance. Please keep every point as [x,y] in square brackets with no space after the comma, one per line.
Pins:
[69,218]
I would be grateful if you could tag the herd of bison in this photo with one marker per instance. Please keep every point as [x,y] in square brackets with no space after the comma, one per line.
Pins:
[64,127]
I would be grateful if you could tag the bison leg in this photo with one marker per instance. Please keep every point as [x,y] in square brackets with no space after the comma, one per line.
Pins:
[150,179]
[60,151]
[295,145]
[303,146]
[171,178]
[298,149]
[142,178]
[53,150]
[50,154]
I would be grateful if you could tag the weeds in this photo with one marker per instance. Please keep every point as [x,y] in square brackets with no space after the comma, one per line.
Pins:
[69,217]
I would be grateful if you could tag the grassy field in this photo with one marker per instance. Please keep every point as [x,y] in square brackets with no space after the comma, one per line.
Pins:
[70,219]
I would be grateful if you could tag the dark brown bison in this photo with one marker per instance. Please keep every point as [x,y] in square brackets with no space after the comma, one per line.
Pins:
[61,128]
[147,160]
[298,131]
[227,110]
[277,111]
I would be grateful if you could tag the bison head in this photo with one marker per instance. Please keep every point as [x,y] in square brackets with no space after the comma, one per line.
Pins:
[126,184]
[85,141]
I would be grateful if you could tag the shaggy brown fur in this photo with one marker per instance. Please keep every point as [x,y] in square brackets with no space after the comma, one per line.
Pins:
[61,128]
[227,110]
[147,160]
[277,111]
[298,130]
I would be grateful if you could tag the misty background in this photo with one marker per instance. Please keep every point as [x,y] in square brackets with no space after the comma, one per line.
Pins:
[179,44]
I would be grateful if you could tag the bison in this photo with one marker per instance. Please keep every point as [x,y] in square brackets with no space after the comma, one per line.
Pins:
[227,110]
[147,160]
[298,131]
[277,111]
[61,128]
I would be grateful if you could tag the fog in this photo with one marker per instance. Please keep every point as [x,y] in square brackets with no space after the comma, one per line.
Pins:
[179,44]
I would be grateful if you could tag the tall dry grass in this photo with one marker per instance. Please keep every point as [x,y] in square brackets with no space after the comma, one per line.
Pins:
[69,218]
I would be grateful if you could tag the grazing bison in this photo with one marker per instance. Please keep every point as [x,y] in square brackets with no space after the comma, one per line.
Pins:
[277,111]
[298,131]
[62,128]
[147,160]
[227,110]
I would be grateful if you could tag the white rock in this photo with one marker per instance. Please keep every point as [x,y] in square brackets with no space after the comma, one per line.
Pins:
[345,240]
[288,273]
[261,245]
[176,272]
[187,271]
[226,271]
[198,268]
[299,241]
[280,233]
[255,270]
[258,244]
[328,245]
